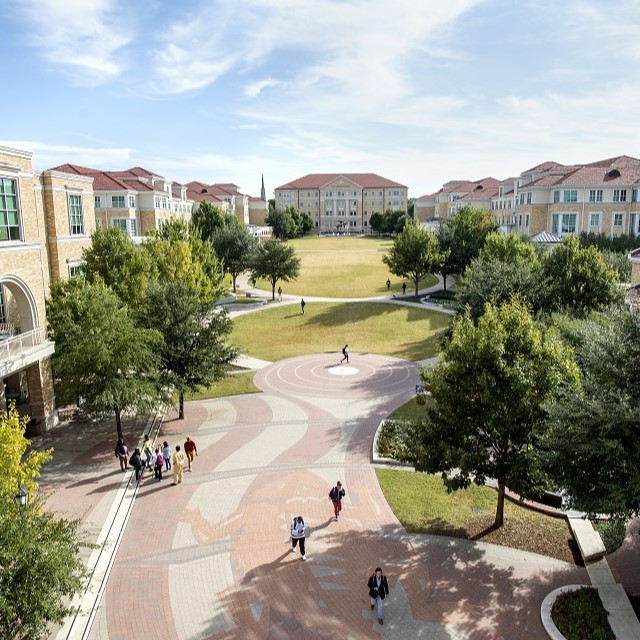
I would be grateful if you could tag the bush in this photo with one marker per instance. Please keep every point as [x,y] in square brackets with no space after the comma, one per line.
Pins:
[612,532]
[621,244]
[580,614]
[443,295]
[392,440]
[620,263]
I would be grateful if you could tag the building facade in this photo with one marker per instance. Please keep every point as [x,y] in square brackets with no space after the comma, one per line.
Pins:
[345,201]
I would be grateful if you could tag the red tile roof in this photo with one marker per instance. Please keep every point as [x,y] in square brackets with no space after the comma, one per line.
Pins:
[363,180]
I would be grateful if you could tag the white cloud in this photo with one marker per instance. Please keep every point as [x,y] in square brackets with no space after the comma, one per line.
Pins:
[253,89]
[84,37]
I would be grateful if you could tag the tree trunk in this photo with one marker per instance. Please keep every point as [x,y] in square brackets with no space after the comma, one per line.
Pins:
[273,291]
[118,423]
[181,406]
[500,506]
[444,283]
[234,283]
[417,285]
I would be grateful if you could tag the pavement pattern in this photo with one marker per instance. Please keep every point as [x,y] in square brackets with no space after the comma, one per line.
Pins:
[210,558]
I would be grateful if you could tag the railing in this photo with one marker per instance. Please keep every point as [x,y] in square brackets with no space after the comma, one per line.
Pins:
[15,345]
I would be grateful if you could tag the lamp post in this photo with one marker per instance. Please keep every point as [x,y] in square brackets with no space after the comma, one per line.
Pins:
[22,497]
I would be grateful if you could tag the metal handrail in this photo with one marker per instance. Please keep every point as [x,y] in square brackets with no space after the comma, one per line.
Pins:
[14,346]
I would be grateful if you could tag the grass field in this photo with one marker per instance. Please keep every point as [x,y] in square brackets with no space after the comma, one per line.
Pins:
[344,267]
[233,385]
[281,331]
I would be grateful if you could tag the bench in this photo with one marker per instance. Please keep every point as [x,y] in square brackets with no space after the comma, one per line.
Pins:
[588,539]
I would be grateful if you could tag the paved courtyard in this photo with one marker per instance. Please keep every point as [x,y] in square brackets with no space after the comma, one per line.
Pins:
[210,558]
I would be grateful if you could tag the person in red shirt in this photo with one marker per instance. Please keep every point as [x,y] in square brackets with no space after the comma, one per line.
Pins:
[190,449]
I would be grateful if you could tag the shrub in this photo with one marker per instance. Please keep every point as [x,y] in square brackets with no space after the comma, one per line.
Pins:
[612,532]
[392,440]
[580,614]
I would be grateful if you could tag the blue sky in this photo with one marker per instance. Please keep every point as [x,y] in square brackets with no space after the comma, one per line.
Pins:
[419,91]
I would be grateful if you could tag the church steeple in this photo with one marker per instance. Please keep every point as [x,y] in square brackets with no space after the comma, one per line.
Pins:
[263,195]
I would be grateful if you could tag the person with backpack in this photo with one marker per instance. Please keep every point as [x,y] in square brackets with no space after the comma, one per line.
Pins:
[166,454]
[122,453]
[335,495]
[159,463]
[378,591]
[137,464]
[345,354]
[147,451]
[298,529]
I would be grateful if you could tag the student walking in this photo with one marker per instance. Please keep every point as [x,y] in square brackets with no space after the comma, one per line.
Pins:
[166,454]
[388,283]
[137,464]
[147,452]
[122,453]
[404,288]
[378,591]
[303,304]
[335,495]
[178,465]
[279,294]
[190,449]
[298,529]
[345,354]
[159,463]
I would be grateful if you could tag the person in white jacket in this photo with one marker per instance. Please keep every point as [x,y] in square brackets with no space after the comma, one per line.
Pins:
[298,529]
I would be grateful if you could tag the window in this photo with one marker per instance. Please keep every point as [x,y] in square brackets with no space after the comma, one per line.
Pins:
[76,271]
[97,202]
[3,307]
[594,220]
[9,219]
[117,202]
[121,223]
[618,219]
[634,195]
[635,224]
[76,219]
[526,220]
[522,198]
[619,195]
[528,198]
[132,202]
[563,223]
[570,196]
[556,197]
[595,195]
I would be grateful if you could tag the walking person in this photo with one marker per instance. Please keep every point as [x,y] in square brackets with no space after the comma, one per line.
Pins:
[122,453]
[178,465]
[279,294]
[404,288]
[298,530]
[378,591]
[253,281]
[166,454]
[147,452]
[159,463]
[335,495]
[345,354]
[303,304]
[190,449]
[388,283]
[137,464]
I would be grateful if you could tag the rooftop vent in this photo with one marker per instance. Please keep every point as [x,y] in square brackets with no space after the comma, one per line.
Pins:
[614,173]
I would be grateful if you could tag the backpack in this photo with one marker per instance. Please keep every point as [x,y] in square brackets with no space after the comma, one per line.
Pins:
[159,460]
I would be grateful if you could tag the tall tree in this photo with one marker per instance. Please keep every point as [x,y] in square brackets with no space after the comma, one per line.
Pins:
[101,355]
[193,352]
[578,279]
[40,568]
[235,247]
[593,445]
[284,223]
[414,255]
[461,237]
[275,260]
[208,219]
[114,259]
[487,416]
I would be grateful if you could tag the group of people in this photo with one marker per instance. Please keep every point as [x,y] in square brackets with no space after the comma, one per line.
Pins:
[158,459]
[377,583]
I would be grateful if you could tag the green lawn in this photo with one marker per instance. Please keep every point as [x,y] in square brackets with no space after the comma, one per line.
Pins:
[234,384]
[281,331]
[344,267]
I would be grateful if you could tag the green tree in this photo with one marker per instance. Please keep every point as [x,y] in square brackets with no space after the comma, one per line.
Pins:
[235,247]
[414,255]
[208,219]
[193,352]
[275,260]
[306,222]
[487,416]
[507,266]
[461,237]
[593,445]
[114,259]
[40,569]
[577,279]
[101,356]
[284,223]
[377,222]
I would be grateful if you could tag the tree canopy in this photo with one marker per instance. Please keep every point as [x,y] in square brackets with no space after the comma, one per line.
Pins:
[288,222]
[207,219]
[414,255]
[275,260]
[235,247]
[102,357]
[487,413]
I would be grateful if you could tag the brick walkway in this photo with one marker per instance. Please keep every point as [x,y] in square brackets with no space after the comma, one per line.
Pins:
[210,558]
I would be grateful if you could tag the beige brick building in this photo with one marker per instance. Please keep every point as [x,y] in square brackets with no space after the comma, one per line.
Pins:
[338,201]
[46,219]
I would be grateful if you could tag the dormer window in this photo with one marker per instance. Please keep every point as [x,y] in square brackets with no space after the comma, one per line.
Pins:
[614,173]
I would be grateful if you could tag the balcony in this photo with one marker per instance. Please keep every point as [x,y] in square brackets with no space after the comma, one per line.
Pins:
[19,351]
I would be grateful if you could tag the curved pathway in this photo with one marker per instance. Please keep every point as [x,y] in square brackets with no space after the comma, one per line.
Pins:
[210,558]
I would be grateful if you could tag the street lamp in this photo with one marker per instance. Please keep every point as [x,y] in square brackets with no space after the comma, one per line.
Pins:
[22,497]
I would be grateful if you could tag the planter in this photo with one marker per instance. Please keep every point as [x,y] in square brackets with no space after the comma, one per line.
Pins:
[547,605]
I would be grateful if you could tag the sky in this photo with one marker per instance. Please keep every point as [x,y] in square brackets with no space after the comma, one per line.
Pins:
[418,91]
